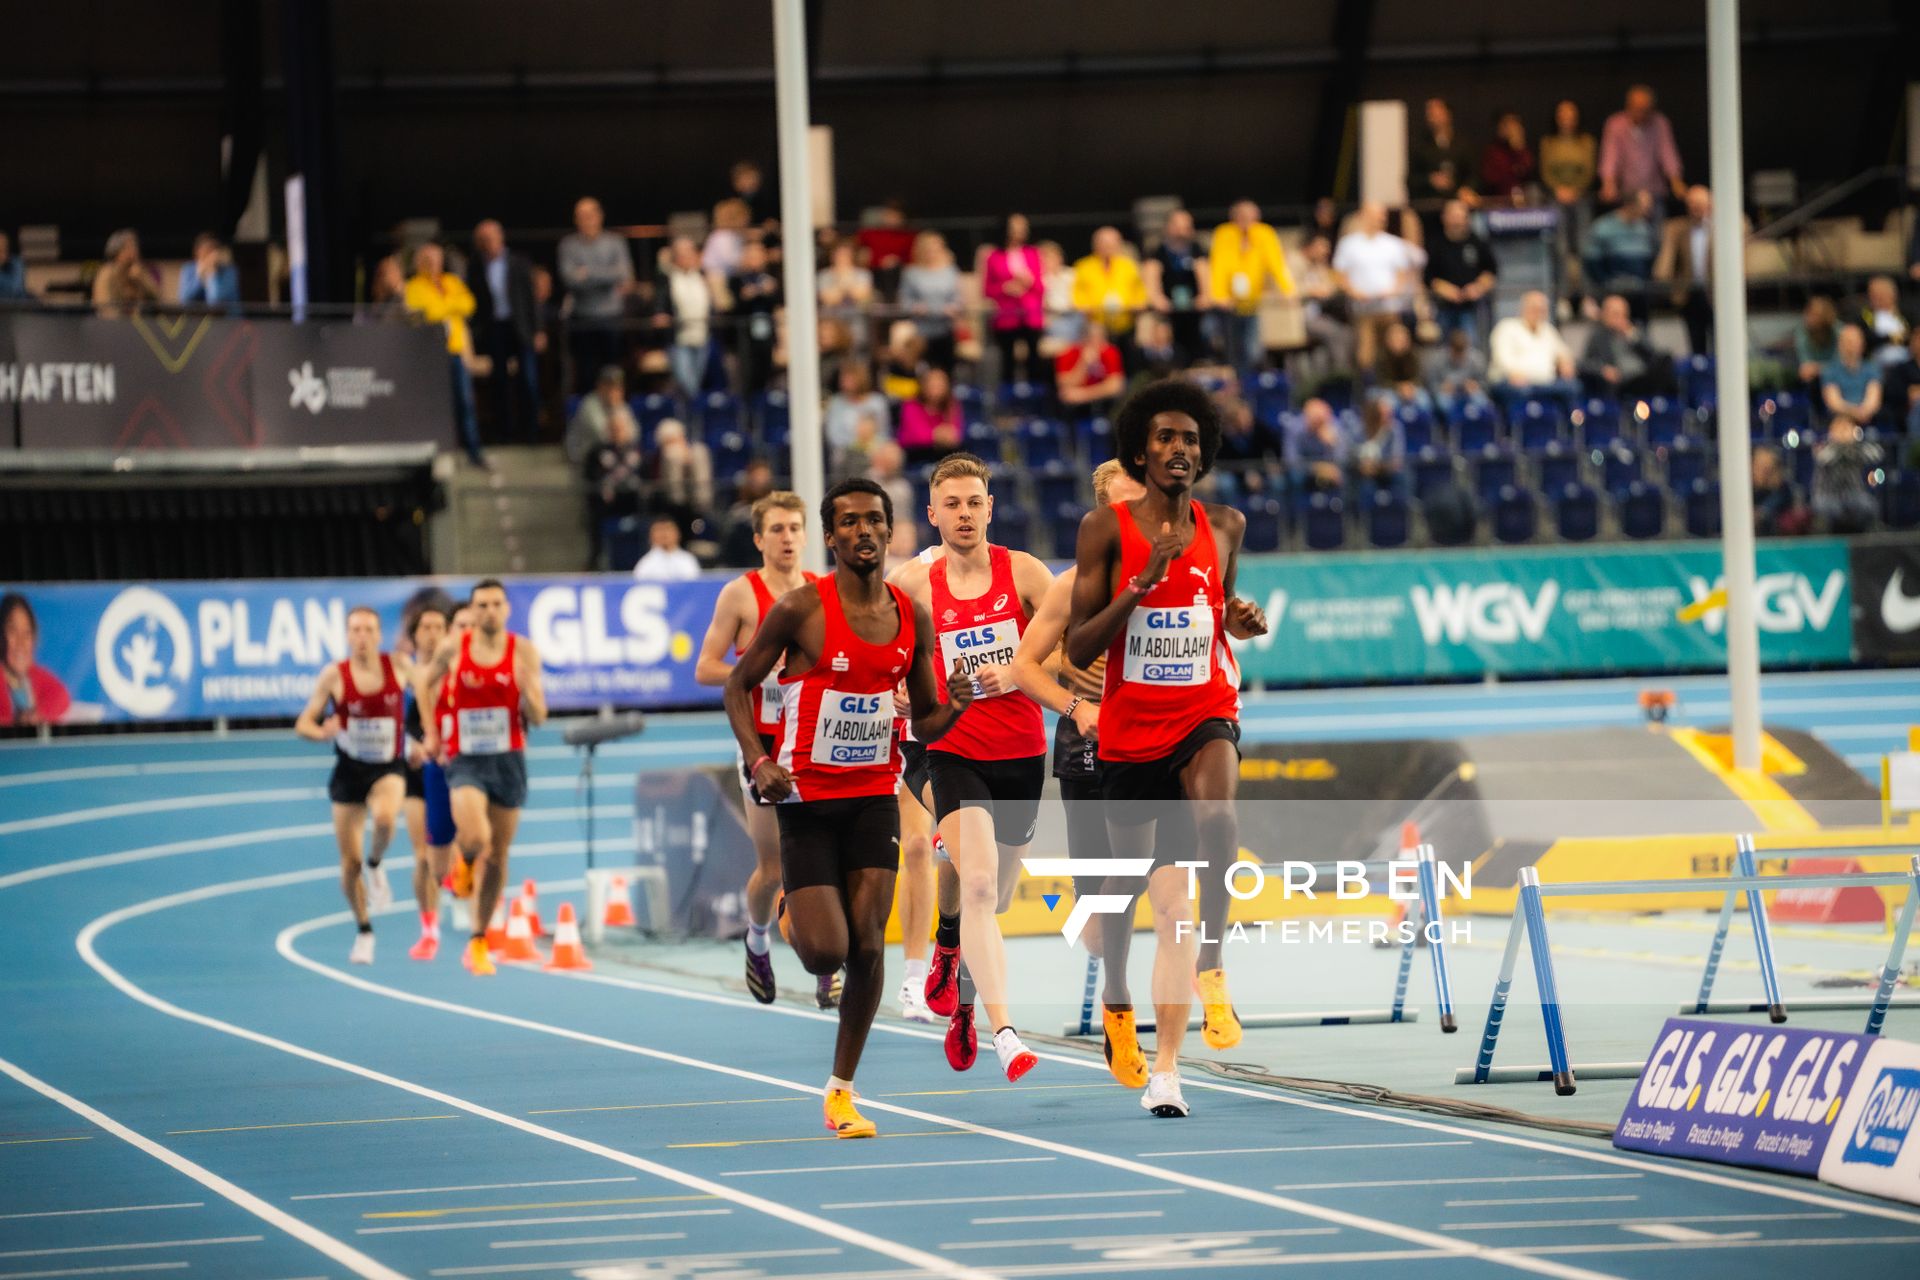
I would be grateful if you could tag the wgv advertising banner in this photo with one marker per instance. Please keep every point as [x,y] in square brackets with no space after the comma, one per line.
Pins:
[1766,1097]
[198,650]
[1400,615]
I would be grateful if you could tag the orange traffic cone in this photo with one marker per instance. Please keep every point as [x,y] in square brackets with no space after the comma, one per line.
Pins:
[619,912]
[567,951]
[497,929]
[519,936]
[530,904]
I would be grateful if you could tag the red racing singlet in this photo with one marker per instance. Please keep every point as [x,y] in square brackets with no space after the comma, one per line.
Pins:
[837,719]
[1170,668]
[984,630]
[485,705]
[376,720]
[766,698]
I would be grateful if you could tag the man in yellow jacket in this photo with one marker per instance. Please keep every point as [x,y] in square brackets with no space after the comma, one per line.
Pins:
[437,296]
[1245,257]
[1107,285]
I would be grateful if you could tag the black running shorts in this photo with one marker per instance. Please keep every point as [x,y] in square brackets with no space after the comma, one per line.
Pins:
[503,777]
[822,841]
[913,768]
[1159,780]
[1007,789]
[353,779]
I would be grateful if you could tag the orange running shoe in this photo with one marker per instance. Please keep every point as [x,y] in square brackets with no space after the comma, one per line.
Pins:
[462,877]
[479,960]
[842,1120]
[427,948]
[1219,1024]
[1124,1059]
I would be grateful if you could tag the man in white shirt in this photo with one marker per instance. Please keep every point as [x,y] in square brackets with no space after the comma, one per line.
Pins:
[1529,358]
[1377,270]
[666,560]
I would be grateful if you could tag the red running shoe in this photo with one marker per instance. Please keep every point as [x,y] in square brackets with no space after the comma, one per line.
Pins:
[962,1045]
[943,983]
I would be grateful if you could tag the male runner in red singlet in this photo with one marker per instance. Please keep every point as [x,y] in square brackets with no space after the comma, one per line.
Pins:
[1154,592]
[429,863]
[366,727]
[841,644]
[779,531]
[495,676]
[989,771]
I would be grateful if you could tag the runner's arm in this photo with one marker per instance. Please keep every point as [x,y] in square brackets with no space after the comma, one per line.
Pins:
[1041,642]
[427,678]
[712,666]
[931,718]
[533,693]
[310,725]
[1094,620]
[764,652]
[1244,619]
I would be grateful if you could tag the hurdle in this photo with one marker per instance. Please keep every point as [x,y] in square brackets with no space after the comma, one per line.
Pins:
[1746,863]
[1429,922]
[1530,922]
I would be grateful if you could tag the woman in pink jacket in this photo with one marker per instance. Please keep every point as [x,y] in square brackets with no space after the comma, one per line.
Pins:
[29,693]
[1011,281]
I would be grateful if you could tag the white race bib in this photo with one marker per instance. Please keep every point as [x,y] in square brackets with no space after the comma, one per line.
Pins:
[485,731]
[370,739]
[770,699]
[853,730]
[990,645]
[1170,647]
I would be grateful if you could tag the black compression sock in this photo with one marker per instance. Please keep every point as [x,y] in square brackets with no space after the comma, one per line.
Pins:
[367,927]
[946,931]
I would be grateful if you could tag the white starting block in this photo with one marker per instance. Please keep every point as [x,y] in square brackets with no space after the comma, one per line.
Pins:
[651,908]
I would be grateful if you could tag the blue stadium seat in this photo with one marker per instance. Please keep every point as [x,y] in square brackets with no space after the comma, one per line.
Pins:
[1042,441]
[973,405]
[651,410]
[1557,466]
[1416,426]
[1703,509]
[1013,526]
[1661,419]
[1325,526]
[1389,520]
[1781,412]
[1272,396]
[1025,399]
[1096,440]
[1697,387]
[1576,513]
[1494,470]
[731,453]
[1056,485]
[1686,462]
[771,411]
[1474,427]
[1066,529]
[1620,467]
[1514,515]
[1799,460]
[922,481]
[719,414]
[1210,382]
[1432,467]
[1266,524]
[573,406]
[1900,500]
[1643,511]
[1537,425]
[1599,422]
[983,440]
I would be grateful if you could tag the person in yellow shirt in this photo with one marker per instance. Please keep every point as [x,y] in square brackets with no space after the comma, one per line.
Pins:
[1246,259]
[1107,286]
[437,296]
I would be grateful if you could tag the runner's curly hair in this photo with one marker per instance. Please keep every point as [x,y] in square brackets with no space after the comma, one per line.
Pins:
[1169,395]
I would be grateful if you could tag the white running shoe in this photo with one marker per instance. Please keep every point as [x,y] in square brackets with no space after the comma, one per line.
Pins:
[1163,1097]
[913,1001]
[1015,1058]
[362,952]
[379,892]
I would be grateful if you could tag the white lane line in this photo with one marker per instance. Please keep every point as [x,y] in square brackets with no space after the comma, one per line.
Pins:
[472,1186]
[795,1217]
[256,764]
[1561,1223]
[1128,1214]
[581,1240]
[1329,1146]
[1483,1204]
[121,1248]
[166,804]
[1897,729]
[1671,1169]
[540,1222]
[1662,1246]
[124,1208]
[94,1271]
[1158,1241]
[338,1250]
[1043,1195]
[902,1164]
[1256,1258]
[1453,1182]
[1376,1226]
[670,1261]
[205,844]
[1676,1234]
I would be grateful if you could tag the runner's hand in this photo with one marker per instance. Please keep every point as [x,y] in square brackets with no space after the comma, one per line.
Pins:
[1245,619]
[994,680]
[1165,548]
[1086,718]
[417,753]
[960,686]
[430,745]
[902,704]
[772,782]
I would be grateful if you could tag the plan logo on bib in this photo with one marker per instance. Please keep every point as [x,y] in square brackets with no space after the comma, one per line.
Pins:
[143,652]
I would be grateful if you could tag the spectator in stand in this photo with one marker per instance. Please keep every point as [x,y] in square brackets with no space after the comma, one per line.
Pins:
[546,323]
[1850,383]
[1155,355]
[1900,387]
[1620,250]
[1107,288]
[726,241]
[1063,322]
[886,242]
[386,291]
[846,291]
[210,279]
[1324,220]
[1439,162]
[1685,265]
[1885,324]
[1377,271]
[1379,457]
[1569,157]
[1012,281]
[1816,339]
[1460,272]
[1620,362]
[506,329]
[679,473]
[1842,502]
[1323,306]
[1776,504]
[930,295]
[1245,260]
[613,472]
[440,297]
[1530,358]
[666,560]
[1317,453]
[124,283]
[13,273]
[900,362]
[1507,167]
[1087,376]
[748,189]
[856,419]
[592,423]
[756,482]
[1179,285]
[1396,374]
[1457,375]
[1251,456]
[930,425]
[29,693]
[1637,153]
[597,271]
[688,302]
[888,470]
[756,298]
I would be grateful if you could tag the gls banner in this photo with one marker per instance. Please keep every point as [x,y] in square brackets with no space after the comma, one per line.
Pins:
[1393,615]
[196,650]
[1766,1097]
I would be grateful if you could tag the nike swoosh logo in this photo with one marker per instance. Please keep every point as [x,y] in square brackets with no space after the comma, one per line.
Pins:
[1900,611]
